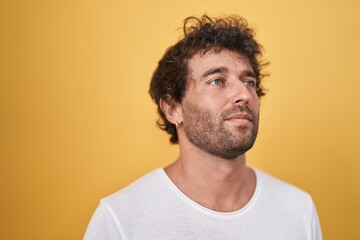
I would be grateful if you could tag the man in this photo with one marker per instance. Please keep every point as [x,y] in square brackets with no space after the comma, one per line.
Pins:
[207,88]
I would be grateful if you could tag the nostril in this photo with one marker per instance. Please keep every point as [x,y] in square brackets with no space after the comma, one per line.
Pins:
[242,100]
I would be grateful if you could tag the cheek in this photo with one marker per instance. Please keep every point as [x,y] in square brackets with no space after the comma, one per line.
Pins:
[255,105]
[209,102]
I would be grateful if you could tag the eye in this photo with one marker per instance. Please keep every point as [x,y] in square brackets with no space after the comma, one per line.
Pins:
[250,83]
[216,82]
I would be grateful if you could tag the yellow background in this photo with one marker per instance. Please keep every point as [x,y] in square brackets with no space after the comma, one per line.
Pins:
[76,121]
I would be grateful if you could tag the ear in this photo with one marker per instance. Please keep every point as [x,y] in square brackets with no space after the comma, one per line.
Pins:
[172,110]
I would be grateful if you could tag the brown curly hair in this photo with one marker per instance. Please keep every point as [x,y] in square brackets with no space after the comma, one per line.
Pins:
[201,35]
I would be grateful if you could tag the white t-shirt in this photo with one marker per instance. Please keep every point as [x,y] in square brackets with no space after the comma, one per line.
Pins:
[153,208]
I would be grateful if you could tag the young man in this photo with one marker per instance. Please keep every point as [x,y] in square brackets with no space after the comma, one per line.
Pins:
[207,88]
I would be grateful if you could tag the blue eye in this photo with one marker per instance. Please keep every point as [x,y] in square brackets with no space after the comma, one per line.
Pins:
[250,83]
[216,82]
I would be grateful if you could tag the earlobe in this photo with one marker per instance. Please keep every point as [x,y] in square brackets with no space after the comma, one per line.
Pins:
[171,110]
[178,118]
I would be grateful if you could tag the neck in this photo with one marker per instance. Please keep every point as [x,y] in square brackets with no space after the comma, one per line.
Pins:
[218,184]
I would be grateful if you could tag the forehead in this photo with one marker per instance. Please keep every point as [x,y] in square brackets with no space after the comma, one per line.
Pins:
[202,62]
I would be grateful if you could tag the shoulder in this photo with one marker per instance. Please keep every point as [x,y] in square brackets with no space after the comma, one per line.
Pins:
[142,198]
[103,225]
[287,205]
[143,187]
[116,211]
[271,183]
[280,192]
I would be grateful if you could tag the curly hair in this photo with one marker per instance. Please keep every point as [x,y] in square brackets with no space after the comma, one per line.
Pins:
[201,35]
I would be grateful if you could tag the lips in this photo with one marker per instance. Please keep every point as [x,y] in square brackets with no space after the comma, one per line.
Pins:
[239,117]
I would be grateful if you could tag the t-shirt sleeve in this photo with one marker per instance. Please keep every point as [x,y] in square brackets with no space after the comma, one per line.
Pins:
[315,225]
[102,225]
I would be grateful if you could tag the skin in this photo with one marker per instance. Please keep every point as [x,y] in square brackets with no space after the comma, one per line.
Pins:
[219,111]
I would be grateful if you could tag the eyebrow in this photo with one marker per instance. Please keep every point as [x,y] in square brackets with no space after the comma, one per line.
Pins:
[247,73]
[214,71]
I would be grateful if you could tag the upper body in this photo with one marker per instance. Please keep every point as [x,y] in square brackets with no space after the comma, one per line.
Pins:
[207,88]
[154,208]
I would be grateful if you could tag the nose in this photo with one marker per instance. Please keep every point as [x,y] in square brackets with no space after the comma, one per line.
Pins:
[241,94]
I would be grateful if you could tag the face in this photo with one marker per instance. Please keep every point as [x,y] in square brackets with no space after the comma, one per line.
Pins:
[220,108]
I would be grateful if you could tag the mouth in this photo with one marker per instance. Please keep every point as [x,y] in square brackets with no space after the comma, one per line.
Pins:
[239,117]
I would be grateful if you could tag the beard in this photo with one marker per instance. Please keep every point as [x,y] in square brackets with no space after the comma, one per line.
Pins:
[207,132]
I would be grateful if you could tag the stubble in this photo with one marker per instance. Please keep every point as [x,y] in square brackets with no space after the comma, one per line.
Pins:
[209,133]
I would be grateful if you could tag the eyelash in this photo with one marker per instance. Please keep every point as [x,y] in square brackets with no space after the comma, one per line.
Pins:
[212,82]
[253,83]
[250,83]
